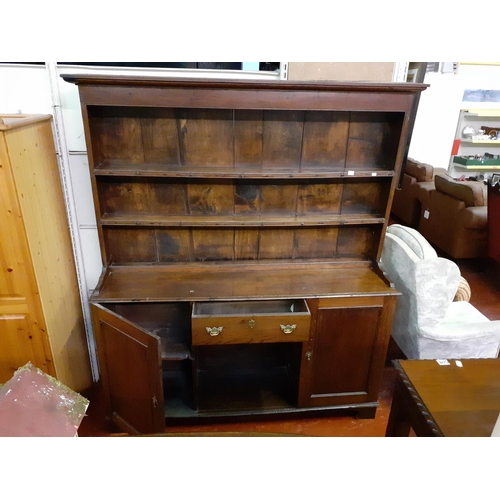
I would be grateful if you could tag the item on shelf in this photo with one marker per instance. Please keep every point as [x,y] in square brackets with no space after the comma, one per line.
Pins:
[481,137]
[468,132]
[491,132]
[487,160]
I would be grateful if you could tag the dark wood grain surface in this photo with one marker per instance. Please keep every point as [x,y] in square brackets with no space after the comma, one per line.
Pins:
[237,282]
[460,401]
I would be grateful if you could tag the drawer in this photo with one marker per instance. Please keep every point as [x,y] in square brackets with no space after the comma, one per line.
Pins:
[250,322]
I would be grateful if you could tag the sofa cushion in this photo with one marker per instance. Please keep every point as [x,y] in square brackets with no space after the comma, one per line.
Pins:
[472,193]
[421,171]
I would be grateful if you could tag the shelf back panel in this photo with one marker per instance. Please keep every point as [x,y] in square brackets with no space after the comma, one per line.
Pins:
[133,198]
[145,245]
[292,139]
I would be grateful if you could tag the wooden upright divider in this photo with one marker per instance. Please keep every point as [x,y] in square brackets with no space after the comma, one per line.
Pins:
[240,225]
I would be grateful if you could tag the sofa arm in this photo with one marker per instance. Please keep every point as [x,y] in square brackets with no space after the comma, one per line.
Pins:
[473,218]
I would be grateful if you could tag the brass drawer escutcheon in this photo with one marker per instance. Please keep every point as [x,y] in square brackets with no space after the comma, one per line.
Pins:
[214,330]
[288,328]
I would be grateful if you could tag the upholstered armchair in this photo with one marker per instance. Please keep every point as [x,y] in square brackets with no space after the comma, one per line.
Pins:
[428,324]
[454,217]
[417,182]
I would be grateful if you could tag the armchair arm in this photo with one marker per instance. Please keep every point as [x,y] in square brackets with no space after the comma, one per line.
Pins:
[473,217]
[436,283]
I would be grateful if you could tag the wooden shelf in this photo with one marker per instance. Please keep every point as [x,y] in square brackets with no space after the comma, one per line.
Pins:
[239,220]
[174,351]
[483,113]
[237,281]
[245,390]
[120,169]
[476,167]
[475,142]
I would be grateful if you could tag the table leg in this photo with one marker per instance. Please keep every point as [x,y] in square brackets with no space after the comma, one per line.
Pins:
[399,417]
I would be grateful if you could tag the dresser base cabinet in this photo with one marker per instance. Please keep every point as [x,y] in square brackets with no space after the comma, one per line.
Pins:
[157,363]
[240,225]
[151,371]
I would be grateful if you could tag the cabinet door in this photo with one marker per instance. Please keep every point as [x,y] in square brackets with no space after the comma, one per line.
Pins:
[130,369]
[343,361]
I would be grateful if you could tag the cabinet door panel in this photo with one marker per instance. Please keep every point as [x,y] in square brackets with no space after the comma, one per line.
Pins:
[343,362]
[130,367]
[342,350]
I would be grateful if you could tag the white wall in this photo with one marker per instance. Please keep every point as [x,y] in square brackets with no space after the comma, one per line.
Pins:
[439,109]
[24,89]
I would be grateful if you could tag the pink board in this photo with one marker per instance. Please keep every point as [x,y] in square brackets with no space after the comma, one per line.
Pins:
[34,404]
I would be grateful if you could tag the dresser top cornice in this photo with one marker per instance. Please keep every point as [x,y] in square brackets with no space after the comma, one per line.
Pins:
[316,85]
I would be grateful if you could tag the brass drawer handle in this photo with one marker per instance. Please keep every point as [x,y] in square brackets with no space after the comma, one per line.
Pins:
[288,328]
[214,331]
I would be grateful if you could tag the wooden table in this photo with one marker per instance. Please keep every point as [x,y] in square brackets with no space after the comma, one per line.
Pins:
[445,400]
